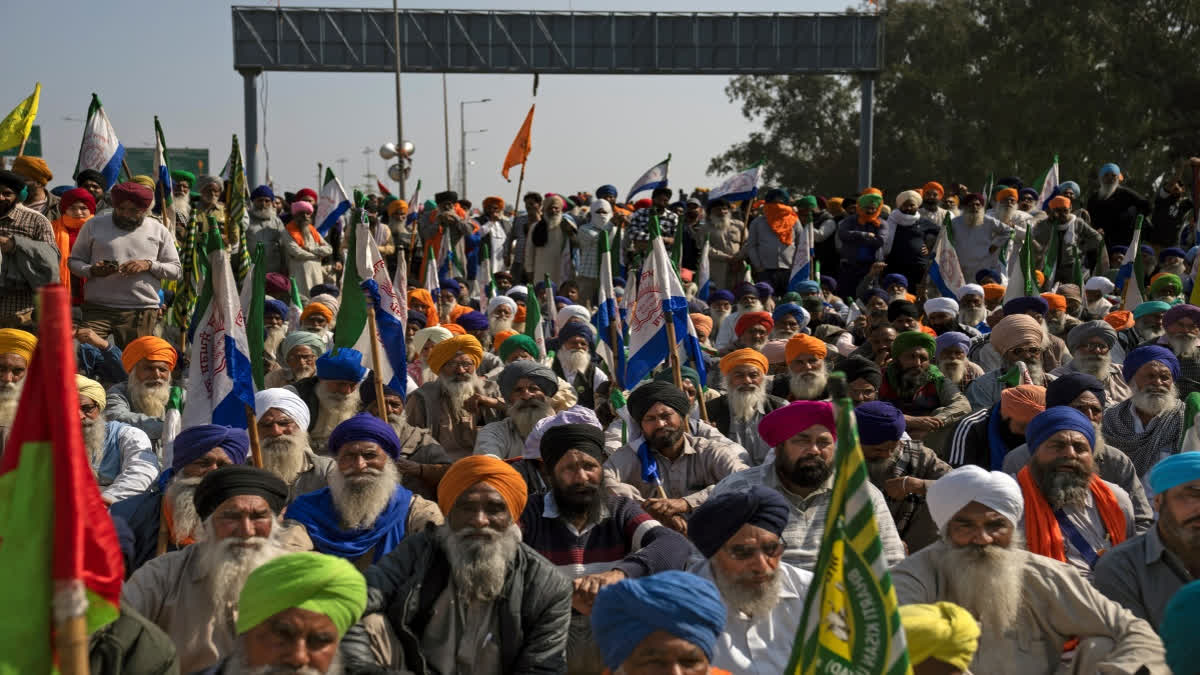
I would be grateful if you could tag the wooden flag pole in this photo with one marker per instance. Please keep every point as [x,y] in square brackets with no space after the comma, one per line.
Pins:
[71,645]
[672,354]
[381,403]
[517,208]
[252,429]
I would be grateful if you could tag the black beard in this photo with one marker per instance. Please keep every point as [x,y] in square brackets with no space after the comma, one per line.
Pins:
[127,224]
[809,472]
[579,500]
[665,439]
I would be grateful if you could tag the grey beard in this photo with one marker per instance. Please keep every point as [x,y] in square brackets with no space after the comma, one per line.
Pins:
[719,223]
[262,214]
[303,372]
[1179,269]
[807,386]
[717,316]
[458,391]
[10,397]
[149,399]
[1185,346]
[1057,324]
[1003,212]
[754,306]
[972,316]
[479,567]
[985,581]
[879,470]
[275,336]
[526,414]
[360,499]
[1148,333]
[553,220]
[754,601]
[237,664]
[757,344]
[911,381]
[954,369]
[1061,488]
[229,561]
[574,360]
[334,409]
[1096,365]
[444,309]
[1152,402]
[744,405]
[284,455]
[973,218]
[1106,190]
[180,494]
[94,432]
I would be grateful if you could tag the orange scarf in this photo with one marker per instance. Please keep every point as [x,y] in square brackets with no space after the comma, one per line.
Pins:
[66,229]
[298,236]
[873,219]
[782,219]
[1042,535]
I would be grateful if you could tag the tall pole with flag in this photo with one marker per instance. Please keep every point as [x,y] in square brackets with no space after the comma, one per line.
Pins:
[1049,185]
[741,186]
[654,178]
[332,204]
[518,153]
[15,128]
[238,211]
[100,148]
[533,323]
[1130,275]
[162,195]
[704,274]
[253,300]
[945,270]
[607,319]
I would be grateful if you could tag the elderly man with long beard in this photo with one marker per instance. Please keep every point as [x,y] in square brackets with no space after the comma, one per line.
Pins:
[902,469]
[1071,514]
[720,306]
[267,229]
[738,411]
[121,456]
[914,385]
[1182,337]
[1113,206]
[1097,306]
[1066,235]
[419,349]
[747,301]
[978,238]
[16,350]
[1018,339]
[500,312]
[726,236]
[1028,606]
[546,241]
[422,462]
[574,364]
[192,594]
[283,420]
[789,319]
[468,596]
[688,465]
[454,407]
[528,388]
[297,356]
[807,373]
[332,394]
[1004,209]
[1149,425]
[740,536]
[972,308]
[1092,342]
[950,353]
[803,436]
[365,512]
[275,329]
[141,401]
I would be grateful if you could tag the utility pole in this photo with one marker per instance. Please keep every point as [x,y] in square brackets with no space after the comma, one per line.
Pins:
[446,129]
[462,148]
[399,116]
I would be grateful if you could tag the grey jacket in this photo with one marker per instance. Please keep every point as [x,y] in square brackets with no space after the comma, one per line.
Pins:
[534,607]
[271,233]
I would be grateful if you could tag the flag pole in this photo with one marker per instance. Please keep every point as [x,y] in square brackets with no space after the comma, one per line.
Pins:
[252,429]
[71,645]
[381,406]
[517,206]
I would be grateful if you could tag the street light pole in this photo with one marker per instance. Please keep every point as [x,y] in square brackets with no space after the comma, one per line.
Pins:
[462,148]
[399,118]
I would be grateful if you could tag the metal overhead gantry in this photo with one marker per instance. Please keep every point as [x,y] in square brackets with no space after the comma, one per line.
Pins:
[557,43]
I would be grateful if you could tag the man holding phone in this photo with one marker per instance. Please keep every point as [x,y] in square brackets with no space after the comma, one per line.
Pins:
[124,257]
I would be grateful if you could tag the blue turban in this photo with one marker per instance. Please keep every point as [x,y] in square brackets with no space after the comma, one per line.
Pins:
[472,321]
[365,427]
[450,285]
[1146,249]
[684,605]
[1070,385]
[418,318]
[951,338]
[1053,420]
[1118,249]
[558,299]
[273,306]
[262,191]
[722,294]
[719,518]
[606,191]
[743,289]
[541,286]
[1069,185]
[829,282]
[1027,192]
[574,328]
[1110,168]
[808,286]
[986,274]
[327,289]
[875,293]
[343,364]
[1174,471]
[879,422]
[890,280]
[1178,629]
[195,442]
[1139,357]
[764,290]
[1026,303]
[1172,251]
[786,309]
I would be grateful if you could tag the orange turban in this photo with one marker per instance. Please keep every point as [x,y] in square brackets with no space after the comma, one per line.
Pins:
[493,201]
[932,185]
[1006,192]
[397,206]
[317,308]
[702,322]
[446,349]
[1041,278]
[150,348]
[1060,202]
[993,291]
[1022,403]
[519,317]
[422,296]
[32,168]
[499,338]
[753,319]
[743,357]
[1120,320]
[493,471]
[1056,302]
[801,344]
[455,328]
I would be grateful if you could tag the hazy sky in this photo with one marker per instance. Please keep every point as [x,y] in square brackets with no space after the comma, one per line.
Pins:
[175,60]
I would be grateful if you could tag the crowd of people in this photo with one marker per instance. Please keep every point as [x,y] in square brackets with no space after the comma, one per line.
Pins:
[1031,457]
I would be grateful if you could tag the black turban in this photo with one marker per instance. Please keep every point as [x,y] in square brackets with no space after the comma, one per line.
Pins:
[90,174]
[366,390]
[561,438]
[12,181]
[235,481]
[1068,387]
[722,516]
[447,196]
[900,308]
[642,399]
[861,368]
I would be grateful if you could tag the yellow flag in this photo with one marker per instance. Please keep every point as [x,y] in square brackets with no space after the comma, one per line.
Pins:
[16,127]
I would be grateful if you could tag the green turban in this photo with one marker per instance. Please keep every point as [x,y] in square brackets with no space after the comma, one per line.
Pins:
[180,174]
[1164,282]
[808,201]
[912,339]
[685,373]
[312,581]
[515,342]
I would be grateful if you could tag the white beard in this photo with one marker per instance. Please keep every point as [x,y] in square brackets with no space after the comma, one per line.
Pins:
[1154,401]
[180,494]
[1185,346]
[10,397]
[574,360]
[744,405]
[807,386]
[361,498]
[458,391]
[1003,213]
[262,214]
[1147,332]
[973,218]
[1179,269]
[755,602]
[444,309]
[986,582]
[149,398]
[275,335]
[1106,190]
[527,413]
[229,561]
[782,333]
[94,432]
[553,221]
[496,326]
[902,295]
[479,566]
[427,374]
[954,369]
[1096,365]
[1057,324]
[972,316]
[754,306]
[720,223]
[717,317]
[334,409]
[284,455]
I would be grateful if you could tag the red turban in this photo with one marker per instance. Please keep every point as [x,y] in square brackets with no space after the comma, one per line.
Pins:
[306,192]
[74,195]
[139,194]
[753,319]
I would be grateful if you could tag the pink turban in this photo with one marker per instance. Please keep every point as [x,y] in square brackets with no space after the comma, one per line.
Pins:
[301,206]
[783,423]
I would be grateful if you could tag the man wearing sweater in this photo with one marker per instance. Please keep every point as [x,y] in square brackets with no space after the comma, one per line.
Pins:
[124,256]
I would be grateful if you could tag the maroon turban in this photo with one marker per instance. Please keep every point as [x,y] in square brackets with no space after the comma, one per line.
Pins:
[140,195]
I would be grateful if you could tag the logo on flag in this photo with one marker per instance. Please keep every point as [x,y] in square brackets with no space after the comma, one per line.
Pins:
[740,186]
[100,149]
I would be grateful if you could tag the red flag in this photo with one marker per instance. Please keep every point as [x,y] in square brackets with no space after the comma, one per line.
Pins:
[383,189]
[518,152]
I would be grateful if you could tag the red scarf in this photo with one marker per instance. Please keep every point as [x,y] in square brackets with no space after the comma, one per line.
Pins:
[1042,535]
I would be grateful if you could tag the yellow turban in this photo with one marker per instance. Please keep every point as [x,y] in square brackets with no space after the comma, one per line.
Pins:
[475,469]
[804,344]
[91,389]
[743,357]
[942,631]
[446,349]
[143,180]
[148,347]
[17,341]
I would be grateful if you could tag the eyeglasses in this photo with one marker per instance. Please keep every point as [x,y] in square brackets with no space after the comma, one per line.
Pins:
[1098,347]
[770,550]
[88,408]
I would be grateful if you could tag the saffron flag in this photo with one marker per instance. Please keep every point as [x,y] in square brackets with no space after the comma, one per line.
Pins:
[100,149]
[740,186]
[162,192]
[611,343]
[59,547]
[15,128]
[332,205]
[654,178]
[518,152]
[851,619]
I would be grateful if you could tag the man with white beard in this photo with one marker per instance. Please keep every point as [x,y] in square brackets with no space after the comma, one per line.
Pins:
[1173,260]
[547,240]
[950,353]
[283,435]
[1149,425]
[469,591]
[807,373]
[720,306]
[1113,206]
[192,594]
[422,461]
[453,407]
[738,411]
[1182,337]
[753,330]
[1017,338]
[575,365]
[297,356]
[274,330]
[726,236]
[978,237]
[740,536]
[1005,210]
[121,457]
[16,350]
[527,387]
[1028,606]
[588,271]
[1092,342]
[332,394]
[266,228]
[1095,289]
[365,512]
[1148,321]
[1068,235]
[421,346]
[500,312]
[142,400]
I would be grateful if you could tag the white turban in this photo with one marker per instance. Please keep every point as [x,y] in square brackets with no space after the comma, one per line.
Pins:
[970,289]
[501,300]
[329,301]
[285,401]
[1102,284]
[434,334]
[571,312]
[518,289]
[944,305]
[994,489]
[908,196]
